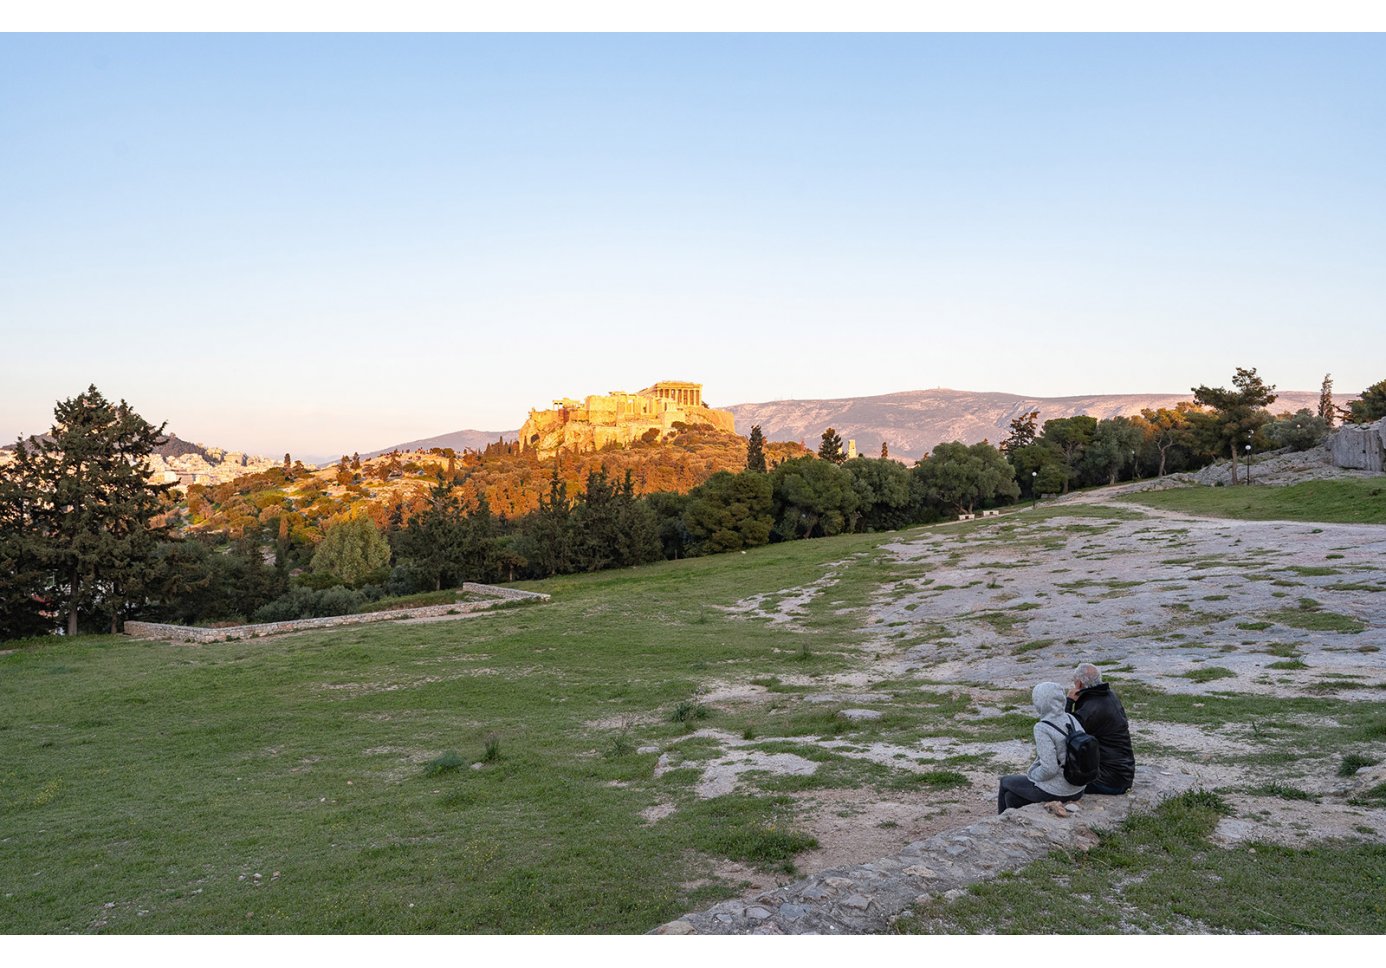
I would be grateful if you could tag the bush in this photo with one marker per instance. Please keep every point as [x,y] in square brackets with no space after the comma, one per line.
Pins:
[1298,431]
[312,603]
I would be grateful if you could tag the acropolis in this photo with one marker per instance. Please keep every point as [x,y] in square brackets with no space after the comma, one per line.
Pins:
[620,418]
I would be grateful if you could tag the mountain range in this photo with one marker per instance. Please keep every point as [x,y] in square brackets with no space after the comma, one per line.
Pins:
[910,423]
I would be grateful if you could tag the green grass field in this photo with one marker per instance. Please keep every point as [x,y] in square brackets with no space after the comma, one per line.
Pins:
[162,779]
[1348,501]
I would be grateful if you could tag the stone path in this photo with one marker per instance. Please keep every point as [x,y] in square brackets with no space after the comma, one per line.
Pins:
[866,898]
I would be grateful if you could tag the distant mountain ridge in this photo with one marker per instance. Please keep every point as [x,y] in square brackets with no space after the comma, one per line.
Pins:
[458,440]
[914,421]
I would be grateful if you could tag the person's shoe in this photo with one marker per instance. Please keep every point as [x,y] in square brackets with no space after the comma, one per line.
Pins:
[1056,808]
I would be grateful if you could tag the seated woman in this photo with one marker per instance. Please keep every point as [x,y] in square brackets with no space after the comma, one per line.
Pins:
[1044,782]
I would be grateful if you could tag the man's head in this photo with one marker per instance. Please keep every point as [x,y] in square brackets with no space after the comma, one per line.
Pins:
[1086,676]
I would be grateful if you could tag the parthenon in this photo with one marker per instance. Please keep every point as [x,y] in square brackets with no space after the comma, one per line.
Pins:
[620,417]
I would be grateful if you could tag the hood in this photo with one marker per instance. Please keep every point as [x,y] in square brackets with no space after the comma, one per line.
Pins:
[1048,698]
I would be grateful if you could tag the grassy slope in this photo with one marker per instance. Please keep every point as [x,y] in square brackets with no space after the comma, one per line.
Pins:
[1348,501]
[155,776]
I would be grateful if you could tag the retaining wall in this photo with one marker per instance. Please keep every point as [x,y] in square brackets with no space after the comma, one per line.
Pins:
[186,633]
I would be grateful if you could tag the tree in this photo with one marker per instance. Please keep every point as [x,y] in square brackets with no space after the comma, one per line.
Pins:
[885,450]
[1371,406]
[88,513]
[729,512]
[1326,409]
[353,552]
[433,545]
[882,488]
[1237,413]
[1023,432]
[1071,435]
[1298,431]
[755,451]
[24,582]
[831,447]
[1039,468]
[812,498]
[961,476]
[1165,428]
[1111,450]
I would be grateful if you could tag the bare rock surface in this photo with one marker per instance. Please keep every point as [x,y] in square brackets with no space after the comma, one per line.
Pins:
[865,898]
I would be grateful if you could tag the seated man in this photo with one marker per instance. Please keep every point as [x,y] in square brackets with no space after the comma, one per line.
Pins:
[1100,711]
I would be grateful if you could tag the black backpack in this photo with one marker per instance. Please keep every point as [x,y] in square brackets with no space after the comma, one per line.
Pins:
[1081,754]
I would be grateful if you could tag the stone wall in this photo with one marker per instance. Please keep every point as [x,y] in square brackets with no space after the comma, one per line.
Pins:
[187,633]
[1360,446]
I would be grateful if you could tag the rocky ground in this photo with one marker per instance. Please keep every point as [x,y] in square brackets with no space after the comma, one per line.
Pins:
[1200,608]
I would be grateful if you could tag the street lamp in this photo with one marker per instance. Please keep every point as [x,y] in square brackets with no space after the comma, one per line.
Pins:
[1248,464]
[1034,494]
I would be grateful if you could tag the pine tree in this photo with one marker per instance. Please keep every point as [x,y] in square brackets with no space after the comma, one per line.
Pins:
[755,451]
[1326,408]
[831,447]
[885,450]
[87,509]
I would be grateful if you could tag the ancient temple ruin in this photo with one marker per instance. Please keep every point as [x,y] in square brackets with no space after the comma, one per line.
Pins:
[620,418]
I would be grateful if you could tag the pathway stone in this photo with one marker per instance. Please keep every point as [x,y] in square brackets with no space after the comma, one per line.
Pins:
[866,898]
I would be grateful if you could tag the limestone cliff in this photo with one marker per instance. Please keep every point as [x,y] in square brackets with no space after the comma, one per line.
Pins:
[620,418]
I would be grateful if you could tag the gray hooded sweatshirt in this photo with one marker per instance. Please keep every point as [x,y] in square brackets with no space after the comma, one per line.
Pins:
[1047,772]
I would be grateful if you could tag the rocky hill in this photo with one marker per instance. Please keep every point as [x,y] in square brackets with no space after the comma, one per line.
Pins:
[914,421]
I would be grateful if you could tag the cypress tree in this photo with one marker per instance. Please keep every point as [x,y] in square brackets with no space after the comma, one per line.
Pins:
[1326,408]
[755,451]
[831,447]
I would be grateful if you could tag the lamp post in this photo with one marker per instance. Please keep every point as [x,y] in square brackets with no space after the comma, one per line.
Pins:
[1034,493]
[1248,465]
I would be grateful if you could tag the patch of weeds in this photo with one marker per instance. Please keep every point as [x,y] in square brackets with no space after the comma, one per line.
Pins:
[1215,598]
[1311,617]
[1311,571]
[1283,791]
[621,745]
[491,748]
[1254,626]
[1282,649]
[1207,674]
[444,764]
[1032,646]
[1288,664]
[687,711]
[1354,762]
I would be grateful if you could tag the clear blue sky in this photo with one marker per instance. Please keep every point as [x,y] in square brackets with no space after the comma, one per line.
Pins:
[334,243]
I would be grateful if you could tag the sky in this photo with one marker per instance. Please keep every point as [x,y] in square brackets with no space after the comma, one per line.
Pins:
[330,243]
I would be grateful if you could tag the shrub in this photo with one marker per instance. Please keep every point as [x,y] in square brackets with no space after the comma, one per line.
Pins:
[687,711]
[1354,762]
[444,764]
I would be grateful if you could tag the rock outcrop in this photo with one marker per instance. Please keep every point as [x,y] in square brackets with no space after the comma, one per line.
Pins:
[620,418]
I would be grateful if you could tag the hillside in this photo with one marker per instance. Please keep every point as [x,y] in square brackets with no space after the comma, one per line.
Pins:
[914,421]
[297,504]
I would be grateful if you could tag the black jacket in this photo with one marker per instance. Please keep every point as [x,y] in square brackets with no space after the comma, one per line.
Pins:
[1101,713]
